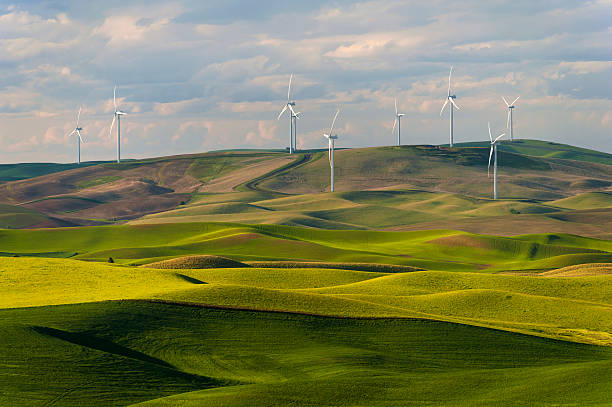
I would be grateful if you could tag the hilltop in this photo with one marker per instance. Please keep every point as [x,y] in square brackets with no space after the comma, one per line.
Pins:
[378,188]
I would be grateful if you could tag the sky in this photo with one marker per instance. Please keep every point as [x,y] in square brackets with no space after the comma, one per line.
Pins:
[198,76]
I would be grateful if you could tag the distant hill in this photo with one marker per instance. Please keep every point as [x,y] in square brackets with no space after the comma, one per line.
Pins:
[548,149]
[14,172]
[378,188]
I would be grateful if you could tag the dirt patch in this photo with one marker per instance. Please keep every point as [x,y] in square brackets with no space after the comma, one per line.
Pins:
[230,181]
[461,241]
[581,270]
[197,262]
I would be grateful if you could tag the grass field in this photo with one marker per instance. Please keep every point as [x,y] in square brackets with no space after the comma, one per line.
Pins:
[431,250]
[121,335]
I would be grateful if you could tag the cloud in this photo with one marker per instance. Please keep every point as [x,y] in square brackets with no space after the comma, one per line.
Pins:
[214,74]
[266,132]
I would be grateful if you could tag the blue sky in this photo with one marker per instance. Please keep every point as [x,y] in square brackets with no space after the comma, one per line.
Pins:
[197,76]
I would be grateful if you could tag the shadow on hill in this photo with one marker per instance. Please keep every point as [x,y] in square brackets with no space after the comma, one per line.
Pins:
[100,344]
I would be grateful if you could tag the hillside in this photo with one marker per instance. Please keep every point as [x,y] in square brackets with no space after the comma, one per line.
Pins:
[399,188]
[87,333]
[429,249]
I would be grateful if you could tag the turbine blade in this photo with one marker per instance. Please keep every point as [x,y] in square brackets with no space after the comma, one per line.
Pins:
[508,119]
[506,102]
[79,134]
[490,137]
[110,132]
[115,97]
[443,106]
[292,111]
[454,104]
[69,134]
[329,151]
[281,113]
[396,106]
[331,132]
[449,79]
[515,100]
[79,115]
[490,156]
[498,137]
[394,124]
[289,90]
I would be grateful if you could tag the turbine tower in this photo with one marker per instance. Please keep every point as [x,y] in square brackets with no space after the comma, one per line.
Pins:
[295,117]
[292,117]
[509,120]
[77,131]
[117,116]
[398,123]
[450,98]
[491,153]
[330,151]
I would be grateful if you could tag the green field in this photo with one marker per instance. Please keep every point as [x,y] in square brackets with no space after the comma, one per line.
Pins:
[90,333]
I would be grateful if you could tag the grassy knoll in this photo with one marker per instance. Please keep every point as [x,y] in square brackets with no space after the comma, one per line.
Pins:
[116,353]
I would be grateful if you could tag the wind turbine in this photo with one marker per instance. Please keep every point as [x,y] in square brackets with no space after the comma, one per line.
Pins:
[491,153]
[509,120]
[292,116]
[77,131]
[450,98]
[117,115]
[330,152]
[398,123]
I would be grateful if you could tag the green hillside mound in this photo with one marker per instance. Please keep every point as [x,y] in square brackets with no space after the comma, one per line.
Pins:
[119,353]
[196,262]
[581,270]
[372,267]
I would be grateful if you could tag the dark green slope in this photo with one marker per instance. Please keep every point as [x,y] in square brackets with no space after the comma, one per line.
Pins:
[15,172]
[117,353]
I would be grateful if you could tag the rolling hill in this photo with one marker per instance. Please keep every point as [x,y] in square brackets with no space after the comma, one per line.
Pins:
[230,278]
[397,188]
[83,333]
